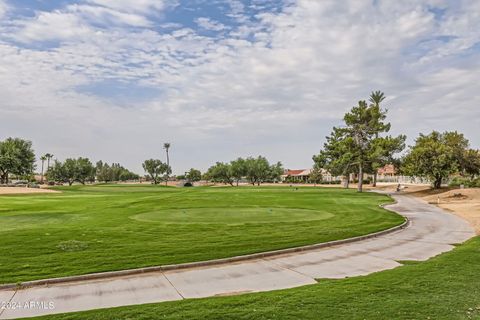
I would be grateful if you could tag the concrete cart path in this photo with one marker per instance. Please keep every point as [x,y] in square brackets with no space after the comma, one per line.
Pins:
[431,232]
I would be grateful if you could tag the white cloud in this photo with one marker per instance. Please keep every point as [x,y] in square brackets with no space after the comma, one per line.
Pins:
[108,17]
[3,8]
[209,24]
[52,26]
[136,6]
[75,21]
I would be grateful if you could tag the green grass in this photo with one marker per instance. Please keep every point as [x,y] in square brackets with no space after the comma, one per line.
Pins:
[113,227]
[445,287]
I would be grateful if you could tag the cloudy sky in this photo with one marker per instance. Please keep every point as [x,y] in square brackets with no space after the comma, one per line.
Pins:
[114,79]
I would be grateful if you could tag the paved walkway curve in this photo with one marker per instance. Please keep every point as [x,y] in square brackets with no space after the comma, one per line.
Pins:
[431,232]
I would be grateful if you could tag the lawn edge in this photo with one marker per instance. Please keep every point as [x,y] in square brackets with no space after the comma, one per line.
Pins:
[127,272]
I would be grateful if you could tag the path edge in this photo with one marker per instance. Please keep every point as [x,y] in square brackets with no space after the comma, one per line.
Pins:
[221,261]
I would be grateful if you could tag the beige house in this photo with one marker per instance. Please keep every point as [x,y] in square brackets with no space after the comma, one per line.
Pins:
[302,175]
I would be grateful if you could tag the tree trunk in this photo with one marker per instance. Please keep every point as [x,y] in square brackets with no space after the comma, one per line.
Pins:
[374,179]
[41,179]
[360,177]
[168,164]
[237,183]
[346,183]
[438,183]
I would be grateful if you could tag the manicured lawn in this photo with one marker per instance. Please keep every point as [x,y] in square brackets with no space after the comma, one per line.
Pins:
[445,287]
[113,227]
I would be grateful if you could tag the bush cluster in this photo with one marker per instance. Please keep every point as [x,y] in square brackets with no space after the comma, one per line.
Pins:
[467,182]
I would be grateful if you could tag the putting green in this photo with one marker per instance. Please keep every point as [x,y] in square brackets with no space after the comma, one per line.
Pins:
[232,215]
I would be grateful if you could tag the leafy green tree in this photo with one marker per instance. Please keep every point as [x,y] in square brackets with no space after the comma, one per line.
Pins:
[256,169]
[103,172]
[382,152]
[126,175]
[220,172]
[335,157]
[239,169]
[259,170]
[194,175]
[363,124]
[84,170]
[315,176]
[471,163]
[16,157]
[275,171]
[72,170]
[359,145]
[57,172]
[156,169]
[435,156]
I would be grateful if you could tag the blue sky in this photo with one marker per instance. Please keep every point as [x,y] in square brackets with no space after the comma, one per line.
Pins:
[113,80]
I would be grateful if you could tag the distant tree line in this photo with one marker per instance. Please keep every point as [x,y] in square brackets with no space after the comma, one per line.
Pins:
[82,170]
[114,172]
[254,170]
[360,146]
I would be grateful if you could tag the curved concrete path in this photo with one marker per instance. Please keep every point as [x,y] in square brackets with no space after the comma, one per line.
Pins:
[431,232]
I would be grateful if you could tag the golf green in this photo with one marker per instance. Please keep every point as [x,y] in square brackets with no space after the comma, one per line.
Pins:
[99,228]
[232,216]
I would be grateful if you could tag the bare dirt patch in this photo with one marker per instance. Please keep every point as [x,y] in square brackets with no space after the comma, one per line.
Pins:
[465,203]
[19,190]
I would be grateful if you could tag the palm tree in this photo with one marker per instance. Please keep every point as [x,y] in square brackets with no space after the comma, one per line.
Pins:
[376,97]
[166,146]
[49,156]
[43,158]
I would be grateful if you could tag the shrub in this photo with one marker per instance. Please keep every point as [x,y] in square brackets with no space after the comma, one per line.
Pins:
[468,183]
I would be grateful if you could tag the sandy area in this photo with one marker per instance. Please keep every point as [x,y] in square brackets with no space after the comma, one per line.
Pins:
[462,202]
[18,190]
